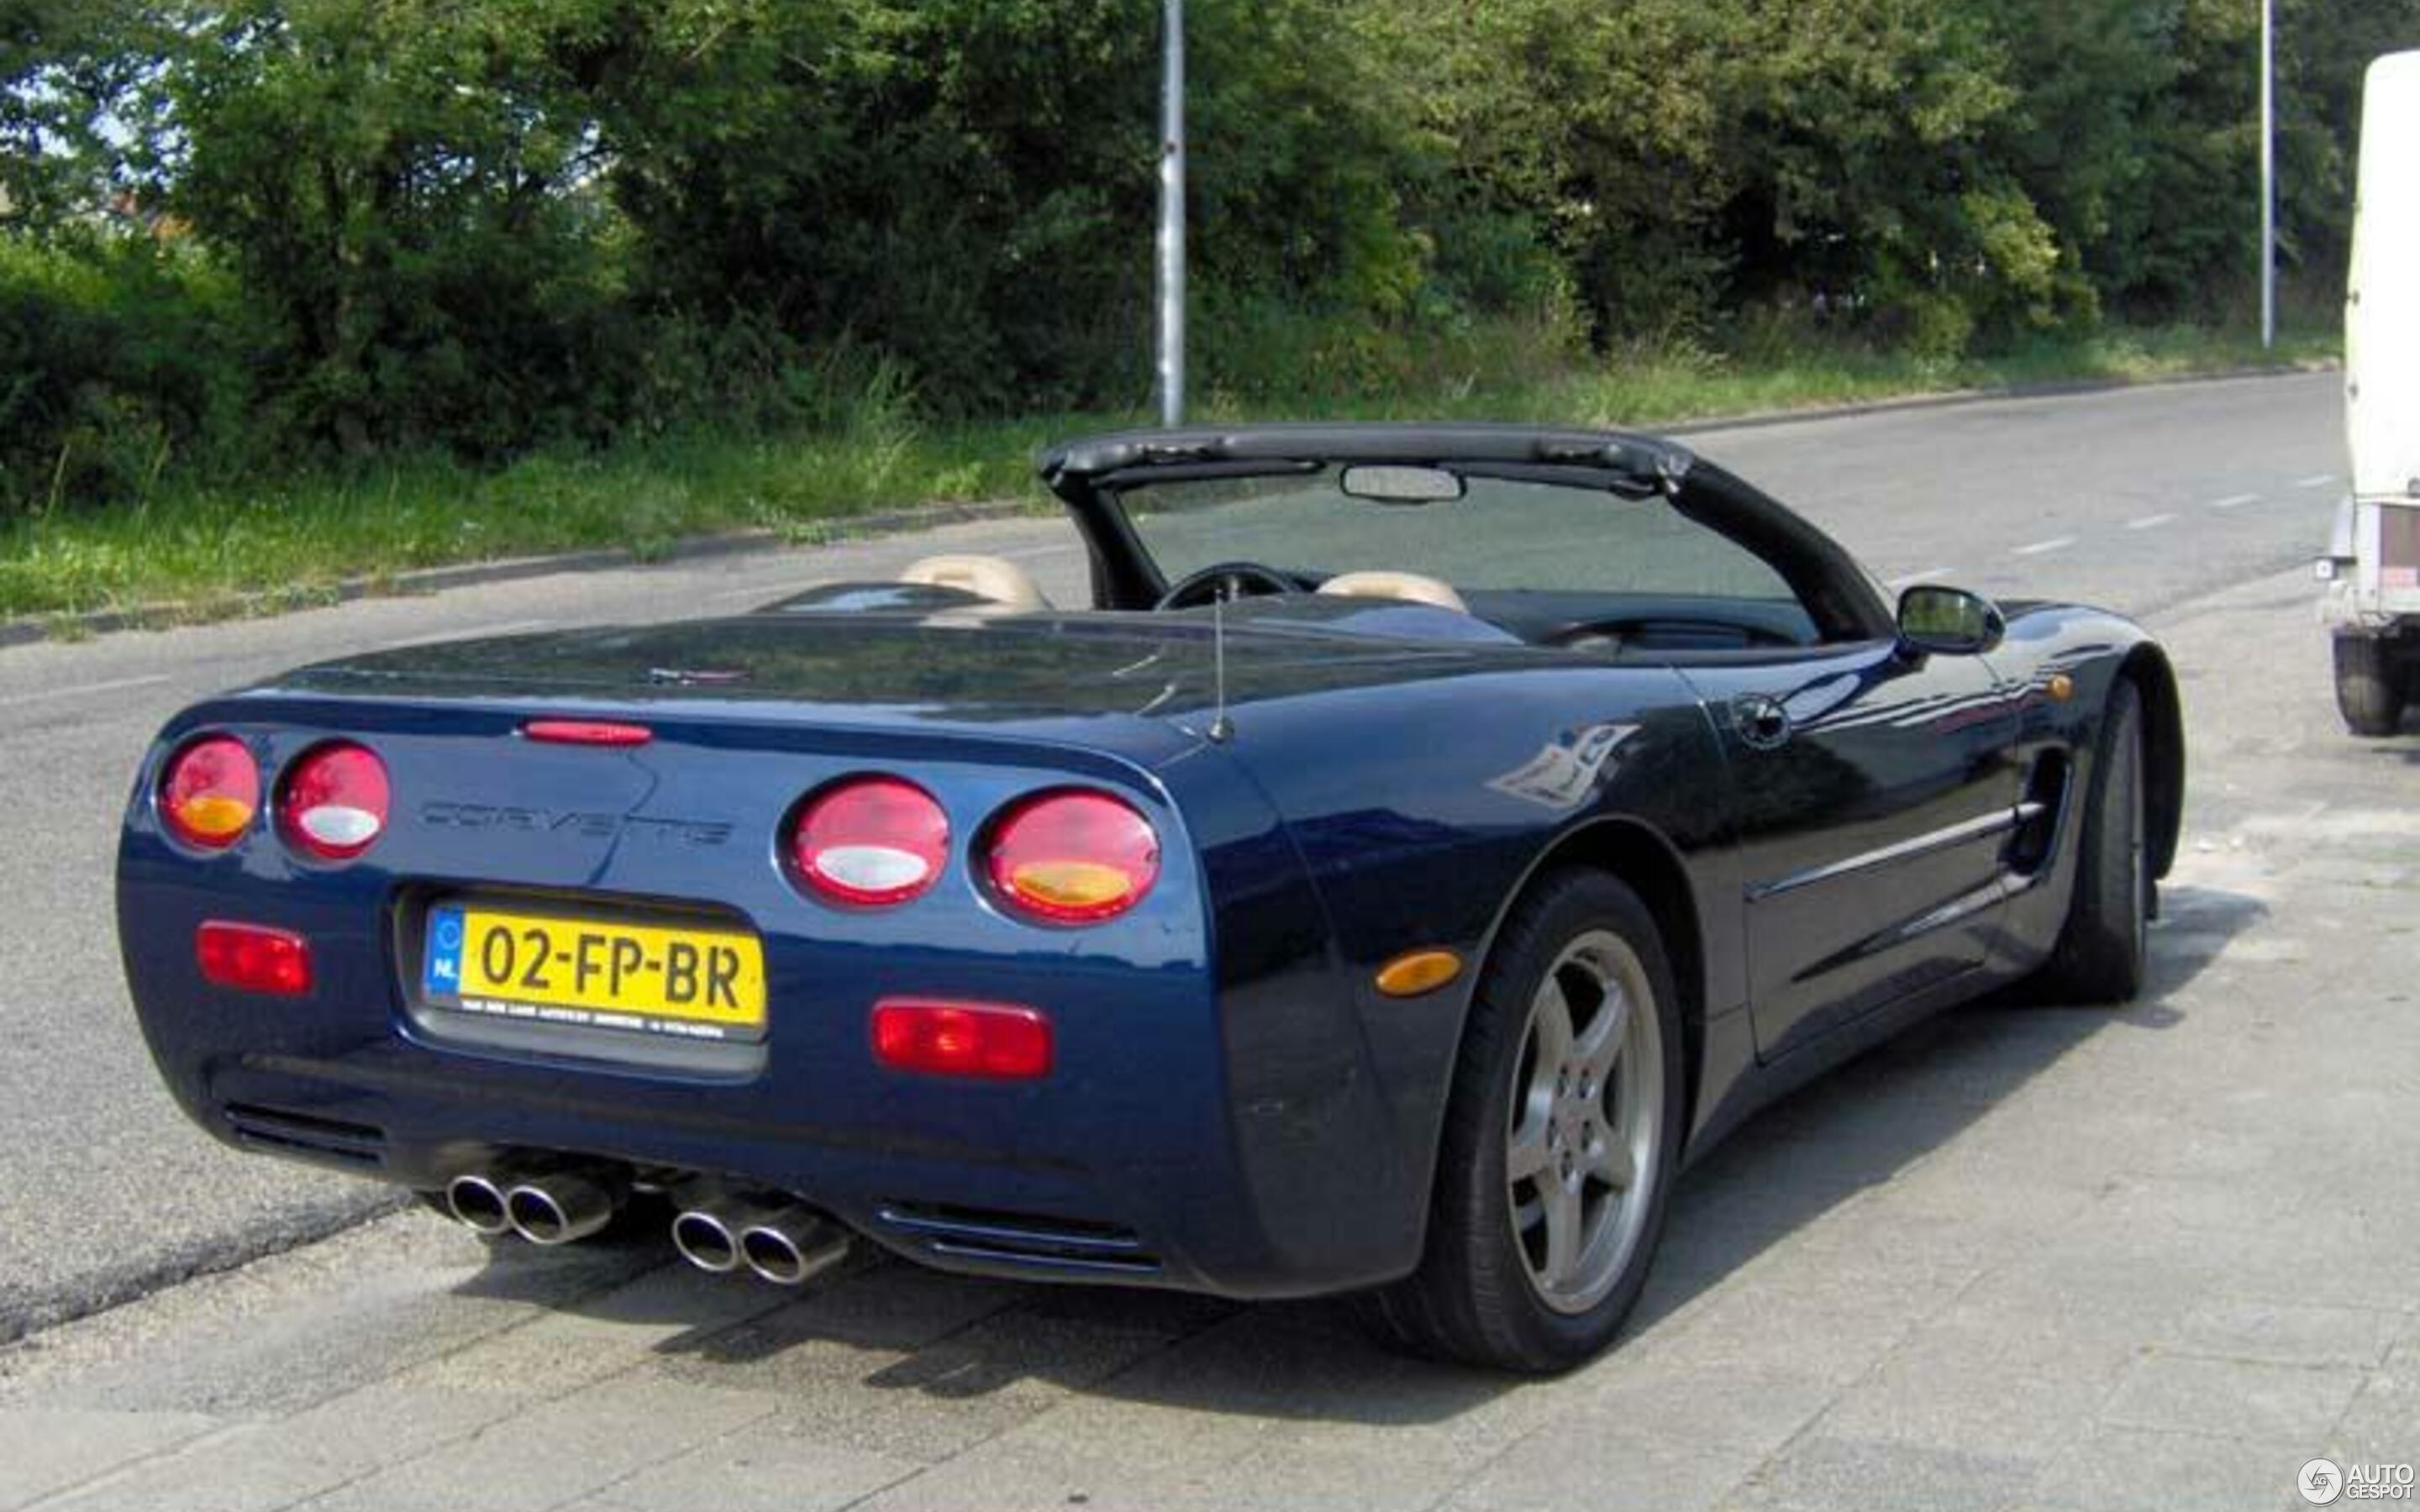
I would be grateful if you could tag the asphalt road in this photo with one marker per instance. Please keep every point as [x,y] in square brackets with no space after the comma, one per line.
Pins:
[2145,500]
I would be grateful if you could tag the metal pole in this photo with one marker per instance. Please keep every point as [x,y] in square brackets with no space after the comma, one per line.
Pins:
[1172,222]
[2268,173]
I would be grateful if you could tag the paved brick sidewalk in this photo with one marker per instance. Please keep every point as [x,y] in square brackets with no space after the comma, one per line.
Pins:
[2023,1256]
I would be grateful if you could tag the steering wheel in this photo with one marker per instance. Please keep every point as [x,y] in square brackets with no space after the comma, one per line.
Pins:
[1228,580]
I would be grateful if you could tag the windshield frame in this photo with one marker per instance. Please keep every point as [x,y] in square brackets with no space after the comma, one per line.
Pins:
[1093,476]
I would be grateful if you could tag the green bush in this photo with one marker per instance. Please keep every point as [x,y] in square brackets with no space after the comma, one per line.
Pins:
[119,361]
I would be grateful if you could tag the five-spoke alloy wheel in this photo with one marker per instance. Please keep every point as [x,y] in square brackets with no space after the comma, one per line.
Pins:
[1562,1135]
[1587,1118]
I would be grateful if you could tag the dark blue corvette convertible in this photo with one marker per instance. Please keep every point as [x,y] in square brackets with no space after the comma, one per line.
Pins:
[1427,838]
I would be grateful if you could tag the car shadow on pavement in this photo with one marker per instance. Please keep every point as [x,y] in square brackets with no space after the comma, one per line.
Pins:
[880,1325]
[1863,1123]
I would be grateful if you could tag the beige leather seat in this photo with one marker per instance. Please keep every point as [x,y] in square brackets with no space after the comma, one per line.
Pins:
[1411,587]
[997,578]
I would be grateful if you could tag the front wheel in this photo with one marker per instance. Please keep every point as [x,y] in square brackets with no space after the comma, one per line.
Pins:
[2103,953]
[1563,1134]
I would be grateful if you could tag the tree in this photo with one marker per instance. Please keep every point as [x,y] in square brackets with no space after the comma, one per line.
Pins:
[405,190]
[71,114]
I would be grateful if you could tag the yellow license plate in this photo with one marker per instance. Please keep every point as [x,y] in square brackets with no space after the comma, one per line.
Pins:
[698,983]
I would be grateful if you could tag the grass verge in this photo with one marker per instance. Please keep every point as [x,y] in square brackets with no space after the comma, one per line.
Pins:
[218,550]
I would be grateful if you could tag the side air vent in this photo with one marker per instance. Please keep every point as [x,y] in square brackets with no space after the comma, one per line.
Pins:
[1020,1239]
[353,1144]
[2038,813]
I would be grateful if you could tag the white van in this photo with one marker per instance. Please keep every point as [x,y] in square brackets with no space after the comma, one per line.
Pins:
[2372,568]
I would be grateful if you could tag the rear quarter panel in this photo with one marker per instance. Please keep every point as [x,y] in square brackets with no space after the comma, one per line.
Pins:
[1420,809]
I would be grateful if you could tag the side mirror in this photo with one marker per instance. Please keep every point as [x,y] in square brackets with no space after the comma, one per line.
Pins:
[1949,622]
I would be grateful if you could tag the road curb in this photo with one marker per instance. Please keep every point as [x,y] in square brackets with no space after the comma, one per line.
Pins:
[267,602]
[31,1314]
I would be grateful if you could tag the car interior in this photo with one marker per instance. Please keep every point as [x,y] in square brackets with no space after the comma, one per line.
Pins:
[996,579]
[1611,623]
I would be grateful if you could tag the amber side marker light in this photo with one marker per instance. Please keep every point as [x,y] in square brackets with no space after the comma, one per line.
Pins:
[1419,971]
[2061,687]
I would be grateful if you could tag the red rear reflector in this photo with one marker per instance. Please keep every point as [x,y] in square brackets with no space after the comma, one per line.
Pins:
[962,1038]
[334,803]
[871,842]
[254,958]
[1073,857]
[210,791]
[587,732]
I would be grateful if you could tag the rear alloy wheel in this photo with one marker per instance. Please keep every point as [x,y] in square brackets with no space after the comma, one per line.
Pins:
[2103,952]
[2370,689]
[1562,1135]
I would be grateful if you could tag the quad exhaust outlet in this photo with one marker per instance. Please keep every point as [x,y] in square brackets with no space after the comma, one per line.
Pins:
[786,1243]
[477,1203]
[567,1207]
[545,1203]
[560,1201]
[793,1246]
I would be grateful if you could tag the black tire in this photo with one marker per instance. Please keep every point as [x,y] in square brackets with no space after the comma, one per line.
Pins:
[2369,687]
[2102,949]
[1476,1297]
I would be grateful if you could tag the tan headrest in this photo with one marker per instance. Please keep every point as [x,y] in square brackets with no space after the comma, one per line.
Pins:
[1409,586]
[997,578]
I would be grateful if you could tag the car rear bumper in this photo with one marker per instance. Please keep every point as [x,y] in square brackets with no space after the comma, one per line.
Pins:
[999,1212]
[1134,1161]
[1008,1190]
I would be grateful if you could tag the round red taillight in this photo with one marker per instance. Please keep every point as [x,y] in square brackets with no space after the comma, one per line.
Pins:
[334,805]
[871,842]
[209,790]
[1073,858]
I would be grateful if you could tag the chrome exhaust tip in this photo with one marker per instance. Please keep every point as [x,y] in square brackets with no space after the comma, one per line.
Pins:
[706,1239]
[793,1246]
[565,1206]
[479,1204]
